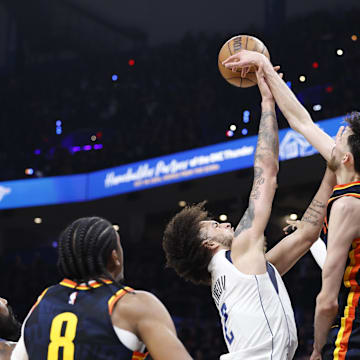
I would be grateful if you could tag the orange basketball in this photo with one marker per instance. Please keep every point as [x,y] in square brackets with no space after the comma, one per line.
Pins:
[231,47]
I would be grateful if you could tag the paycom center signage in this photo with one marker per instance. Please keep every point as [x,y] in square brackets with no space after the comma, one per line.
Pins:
[210,160]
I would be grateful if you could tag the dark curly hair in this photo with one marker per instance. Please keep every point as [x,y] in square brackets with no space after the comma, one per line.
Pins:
[183,248]
[353,120]
[84,250]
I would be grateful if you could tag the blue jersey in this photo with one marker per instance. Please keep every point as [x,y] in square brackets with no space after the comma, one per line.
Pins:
[71,322]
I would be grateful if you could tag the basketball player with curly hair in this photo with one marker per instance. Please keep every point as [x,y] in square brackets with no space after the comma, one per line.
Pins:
[337,315]
[255,309]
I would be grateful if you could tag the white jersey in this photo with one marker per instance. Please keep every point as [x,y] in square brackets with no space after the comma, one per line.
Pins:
[256,314]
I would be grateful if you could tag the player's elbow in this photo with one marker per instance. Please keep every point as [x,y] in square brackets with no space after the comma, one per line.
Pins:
[310,233]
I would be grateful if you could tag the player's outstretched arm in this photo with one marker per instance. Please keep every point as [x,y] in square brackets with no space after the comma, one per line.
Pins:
[143,314]
[290,249]
[343,230]
[298,117]
[249,232]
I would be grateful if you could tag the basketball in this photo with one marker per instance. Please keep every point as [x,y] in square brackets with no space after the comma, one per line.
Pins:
[233,46]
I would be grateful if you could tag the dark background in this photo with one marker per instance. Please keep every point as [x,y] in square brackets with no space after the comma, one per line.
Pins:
[57,59]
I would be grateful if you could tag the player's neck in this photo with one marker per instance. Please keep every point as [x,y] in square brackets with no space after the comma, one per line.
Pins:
[345,177]
[219,248]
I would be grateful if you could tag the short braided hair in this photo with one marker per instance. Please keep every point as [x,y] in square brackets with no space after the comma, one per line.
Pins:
[85,247]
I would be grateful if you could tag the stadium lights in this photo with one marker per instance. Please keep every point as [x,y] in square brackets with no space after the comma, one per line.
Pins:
[93,138]
[246,116]
[302,78]
[223,217]
[116,227]
[229,133]
[317,107]
[354,37]
[182,203]
[38,220]
[315,65]
[244,131]
[340,52]
[293,217]
[29,171]
[233,127]
[114,77]
[58,127]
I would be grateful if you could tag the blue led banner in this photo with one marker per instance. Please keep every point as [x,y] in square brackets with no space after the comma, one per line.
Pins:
[45,191]
[210,160]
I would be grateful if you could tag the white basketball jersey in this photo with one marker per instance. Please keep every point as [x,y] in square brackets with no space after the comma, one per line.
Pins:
[256,314]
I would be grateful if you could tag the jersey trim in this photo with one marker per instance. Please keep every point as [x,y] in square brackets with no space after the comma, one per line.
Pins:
[39,299]
[228,255]
[117,296]
[272,336]
[342,340]
[344,186]
[74,285]
[139,356]
[272,276]
[342,195]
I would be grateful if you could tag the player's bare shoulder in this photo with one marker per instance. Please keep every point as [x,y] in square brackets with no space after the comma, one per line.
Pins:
[347,208]
[135,305]
[347,205]
[6,348]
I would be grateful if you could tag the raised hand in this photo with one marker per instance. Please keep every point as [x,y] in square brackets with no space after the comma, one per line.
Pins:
[244,58]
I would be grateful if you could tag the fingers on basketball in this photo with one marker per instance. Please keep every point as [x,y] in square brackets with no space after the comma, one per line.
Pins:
[235,75]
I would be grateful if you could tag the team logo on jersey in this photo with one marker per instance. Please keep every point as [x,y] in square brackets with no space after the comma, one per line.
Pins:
[72,298]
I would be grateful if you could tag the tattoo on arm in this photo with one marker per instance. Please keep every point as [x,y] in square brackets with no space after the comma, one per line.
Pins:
[267,145]
[314,214]
[248,217]
[268,139]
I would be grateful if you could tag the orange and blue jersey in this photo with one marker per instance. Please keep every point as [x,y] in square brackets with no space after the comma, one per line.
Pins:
[71,321]
[343,342]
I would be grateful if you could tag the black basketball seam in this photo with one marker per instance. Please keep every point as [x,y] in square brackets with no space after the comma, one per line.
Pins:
[247,40]
[263,49]
[236,77]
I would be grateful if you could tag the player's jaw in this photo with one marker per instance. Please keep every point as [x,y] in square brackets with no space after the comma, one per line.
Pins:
[340,149]
[221,234]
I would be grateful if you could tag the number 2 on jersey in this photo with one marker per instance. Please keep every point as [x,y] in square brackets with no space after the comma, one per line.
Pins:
[229,336]
[65,341]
